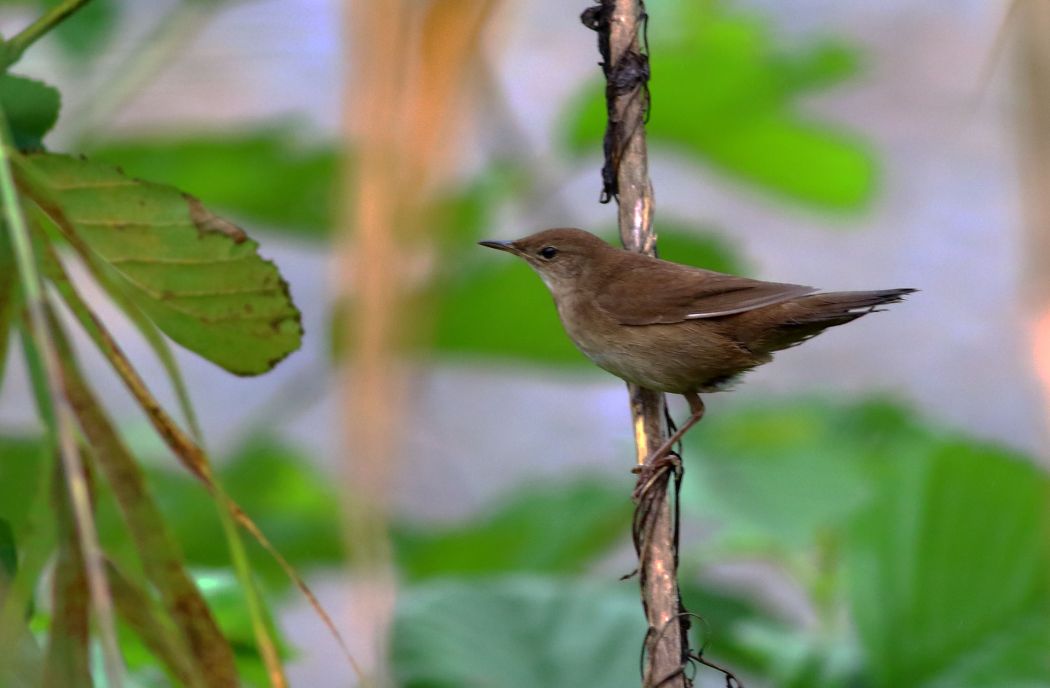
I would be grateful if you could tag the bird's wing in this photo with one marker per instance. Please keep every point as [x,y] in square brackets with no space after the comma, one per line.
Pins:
[662,292]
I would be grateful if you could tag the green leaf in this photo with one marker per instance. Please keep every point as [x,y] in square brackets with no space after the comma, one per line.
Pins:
[265,175]
[31,108]
[779,476]
[8,300]
[197,276]
[501,309]
[140,613]
[292,503]
[725,94]
[515,632]
[85,32]
[726,617]
[21,462]
[793,657]
[949,570]
[226,597]
[703,248]
[8,554]
[546,529]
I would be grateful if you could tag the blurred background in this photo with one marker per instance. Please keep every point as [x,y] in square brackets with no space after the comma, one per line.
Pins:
[441,464]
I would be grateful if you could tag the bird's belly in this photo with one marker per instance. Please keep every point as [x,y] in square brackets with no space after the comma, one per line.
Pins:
[676,358]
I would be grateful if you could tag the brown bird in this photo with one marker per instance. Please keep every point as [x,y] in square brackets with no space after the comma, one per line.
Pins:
[675,328]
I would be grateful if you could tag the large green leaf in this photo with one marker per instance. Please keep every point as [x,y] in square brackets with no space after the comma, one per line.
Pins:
[782,475]
[725,94]
[949,571]
[502,309]
[31,108]
[548,529]
[197,276]
[513,632]
[264,175]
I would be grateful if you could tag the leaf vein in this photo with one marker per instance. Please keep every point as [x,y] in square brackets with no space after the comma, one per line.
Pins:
[177,261]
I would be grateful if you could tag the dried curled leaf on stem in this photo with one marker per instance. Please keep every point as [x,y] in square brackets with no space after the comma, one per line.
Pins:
[66,664]
[157,550]
[142,614]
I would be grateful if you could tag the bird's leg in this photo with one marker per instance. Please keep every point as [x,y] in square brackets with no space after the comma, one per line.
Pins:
[654,463]
[696,405]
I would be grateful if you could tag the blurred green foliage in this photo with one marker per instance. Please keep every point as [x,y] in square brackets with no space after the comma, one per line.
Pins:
[922,554]
[84,34]
[556,530]
[938,545]
[266,175]
[31,108]
[517,632]
[725,93]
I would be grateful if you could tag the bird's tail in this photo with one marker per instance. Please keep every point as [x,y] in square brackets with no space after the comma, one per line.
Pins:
[805,317]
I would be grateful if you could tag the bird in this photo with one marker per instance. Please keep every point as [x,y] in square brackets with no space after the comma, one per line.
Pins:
[676,328]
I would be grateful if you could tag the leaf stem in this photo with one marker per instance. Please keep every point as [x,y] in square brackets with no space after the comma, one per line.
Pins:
[17,45]
[64,429]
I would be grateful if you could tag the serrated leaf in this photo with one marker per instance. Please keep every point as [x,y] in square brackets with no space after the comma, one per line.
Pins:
[724,94]
[265,175]
[550,529]
[949,571]
[197,276]
[31,108]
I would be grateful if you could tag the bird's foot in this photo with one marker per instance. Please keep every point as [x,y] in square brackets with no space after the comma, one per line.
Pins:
[650,472]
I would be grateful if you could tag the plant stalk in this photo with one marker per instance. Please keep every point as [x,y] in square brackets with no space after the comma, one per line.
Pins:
[64,431]
[20,42]
[666,645]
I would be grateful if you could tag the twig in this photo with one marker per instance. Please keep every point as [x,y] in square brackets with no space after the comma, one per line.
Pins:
[626,178]
[73,468]
[14,48]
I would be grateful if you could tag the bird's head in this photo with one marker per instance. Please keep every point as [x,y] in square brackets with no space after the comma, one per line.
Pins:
[560,256]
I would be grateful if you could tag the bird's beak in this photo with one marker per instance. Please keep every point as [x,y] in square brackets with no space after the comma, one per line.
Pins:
[507,246]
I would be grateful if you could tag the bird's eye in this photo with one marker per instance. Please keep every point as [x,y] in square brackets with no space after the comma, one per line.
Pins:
[548,252]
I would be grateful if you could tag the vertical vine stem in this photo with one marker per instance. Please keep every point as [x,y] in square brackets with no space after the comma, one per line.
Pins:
[64,432]
[619,24]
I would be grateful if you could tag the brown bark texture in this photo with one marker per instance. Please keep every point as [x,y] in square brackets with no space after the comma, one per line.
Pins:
[619,24]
